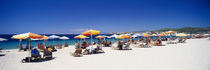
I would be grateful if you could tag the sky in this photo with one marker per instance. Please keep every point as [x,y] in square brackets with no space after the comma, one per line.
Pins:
[76,16]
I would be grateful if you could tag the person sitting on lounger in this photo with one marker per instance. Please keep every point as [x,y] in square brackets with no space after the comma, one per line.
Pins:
[35,53]
[78,52]
[77,45]
[84,44]
[158,42]
[120,44]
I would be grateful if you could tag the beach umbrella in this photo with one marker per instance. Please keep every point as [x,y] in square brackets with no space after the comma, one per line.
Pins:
[161,35]
[54,37]
[64,38]
[146,35]
[154,34]
[134,36]
[109,37]
[91,33]
[80,37]
[45,37]
[123,37]
[126,36]
[115,35]
[181,35]
[173,32]
[100,36]
[28,36]
[119,37]
[3,39]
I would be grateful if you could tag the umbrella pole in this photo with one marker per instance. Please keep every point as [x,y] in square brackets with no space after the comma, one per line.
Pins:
[91,39]
[29,44]
[20,43]
[53,42]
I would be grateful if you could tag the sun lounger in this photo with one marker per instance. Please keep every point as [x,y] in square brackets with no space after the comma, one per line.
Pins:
[35,56]
[173,42]
[47,54]
[78,53]
[127,47]
[182,41]
[88,50]
[59,46]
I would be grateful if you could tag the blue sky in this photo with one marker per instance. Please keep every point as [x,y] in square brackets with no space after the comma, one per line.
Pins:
[75,16]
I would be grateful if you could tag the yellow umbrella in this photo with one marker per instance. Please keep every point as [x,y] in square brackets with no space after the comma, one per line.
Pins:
[146,35]
[161,35]
[81,36]
[154,35]
[171,32]
[27,35]
[123,37]
[45,37]
[91,33]
[100,36]
[119,37]
[126,36]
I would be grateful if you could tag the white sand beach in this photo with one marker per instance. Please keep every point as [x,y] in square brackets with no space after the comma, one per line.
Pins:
[192,55]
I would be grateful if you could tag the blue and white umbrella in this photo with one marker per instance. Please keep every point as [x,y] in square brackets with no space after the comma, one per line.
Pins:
[3,39]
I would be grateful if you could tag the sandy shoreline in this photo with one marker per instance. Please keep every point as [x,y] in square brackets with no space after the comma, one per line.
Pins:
[192,55]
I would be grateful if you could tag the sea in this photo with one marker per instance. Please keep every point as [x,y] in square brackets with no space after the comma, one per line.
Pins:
[14,43]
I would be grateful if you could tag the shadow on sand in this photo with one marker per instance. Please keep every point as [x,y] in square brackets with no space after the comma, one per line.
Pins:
[38,61]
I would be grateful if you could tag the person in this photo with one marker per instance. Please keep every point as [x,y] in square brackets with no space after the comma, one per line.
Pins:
[84,44]
[158,42]
[148,41]
[78,52]
[99,40]
[120,44]
[35,53]
[66,44]
[77,45]
[141,40]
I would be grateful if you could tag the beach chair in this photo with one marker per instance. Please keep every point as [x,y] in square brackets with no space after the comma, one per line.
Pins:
[47,53]
[173,42]
[59,46]
[78,53]
[114,47]
[35,54]
[88,50]
[127,47]
[183,41]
